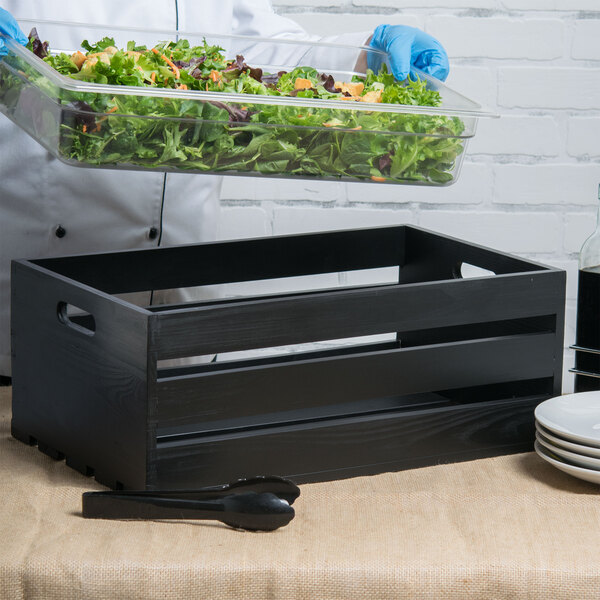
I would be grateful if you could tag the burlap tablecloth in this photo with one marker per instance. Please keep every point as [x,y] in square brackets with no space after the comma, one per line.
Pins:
[508,527]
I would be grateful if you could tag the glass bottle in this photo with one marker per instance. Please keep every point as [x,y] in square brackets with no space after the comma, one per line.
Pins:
[587,360]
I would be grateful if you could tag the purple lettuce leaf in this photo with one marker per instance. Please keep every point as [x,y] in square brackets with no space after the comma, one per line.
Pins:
[38,47]
[236,115]
[83,113]
[329,84]
[194,62]
[385,161]
[272,78]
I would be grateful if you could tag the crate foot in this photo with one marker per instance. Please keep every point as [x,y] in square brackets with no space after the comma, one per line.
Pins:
[22,436]
[108,481]
[31,441]
[51,452]
[80,467]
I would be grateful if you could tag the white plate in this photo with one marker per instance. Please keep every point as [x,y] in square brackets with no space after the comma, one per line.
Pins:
[574,416]
[585,474]
[579,460]
[566,444]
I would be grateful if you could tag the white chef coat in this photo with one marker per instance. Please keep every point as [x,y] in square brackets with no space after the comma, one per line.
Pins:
[48,208]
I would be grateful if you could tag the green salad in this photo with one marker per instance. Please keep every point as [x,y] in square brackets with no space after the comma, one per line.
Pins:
[181,133]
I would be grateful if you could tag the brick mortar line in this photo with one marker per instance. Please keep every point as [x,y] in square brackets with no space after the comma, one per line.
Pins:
[299,10]
[524,62]
[483,13]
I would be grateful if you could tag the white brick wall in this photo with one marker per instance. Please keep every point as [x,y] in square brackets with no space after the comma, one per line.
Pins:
[582,137]
[532,39]
[550,5]
[529,181]
[586,39]
[518,135]
[555,185]
[573,87]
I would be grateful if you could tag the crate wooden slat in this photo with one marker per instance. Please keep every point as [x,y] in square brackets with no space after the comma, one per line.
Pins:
[467,361]
[381,442]
[348,313]
[247,391]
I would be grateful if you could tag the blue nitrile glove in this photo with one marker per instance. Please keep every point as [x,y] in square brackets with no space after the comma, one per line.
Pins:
[408,48]
[9,26]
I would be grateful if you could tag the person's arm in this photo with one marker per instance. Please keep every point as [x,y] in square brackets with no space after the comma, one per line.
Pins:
[9,27]
[407,47]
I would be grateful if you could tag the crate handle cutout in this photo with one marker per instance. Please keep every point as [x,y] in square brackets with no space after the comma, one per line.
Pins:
[76,318]
[465,270]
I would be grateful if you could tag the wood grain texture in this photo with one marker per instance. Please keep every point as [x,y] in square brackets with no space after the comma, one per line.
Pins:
[80,396]
[280,256]
[255,391]
[249,324]
[353,446]
[242,260]
[470,360]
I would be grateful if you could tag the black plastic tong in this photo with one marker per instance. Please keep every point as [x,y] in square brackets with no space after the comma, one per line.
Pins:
[256,504]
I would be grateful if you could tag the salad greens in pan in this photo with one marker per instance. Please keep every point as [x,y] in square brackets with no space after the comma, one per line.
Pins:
[173,133]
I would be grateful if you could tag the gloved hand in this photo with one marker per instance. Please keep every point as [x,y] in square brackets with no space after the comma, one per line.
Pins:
[408,48]
[9,26]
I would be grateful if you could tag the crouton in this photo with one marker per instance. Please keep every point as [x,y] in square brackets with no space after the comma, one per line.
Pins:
[86,67]
[354,89]
[100,56]
[374,96]
[78,58]
[136,55]
[302,84]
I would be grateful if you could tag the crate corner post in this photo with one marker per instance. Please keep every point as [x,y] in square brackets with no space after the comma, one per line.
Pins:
[79,375]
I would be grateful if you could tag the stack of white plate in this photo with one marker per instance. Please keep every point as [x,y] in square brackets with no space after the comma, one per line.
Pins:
[568,434]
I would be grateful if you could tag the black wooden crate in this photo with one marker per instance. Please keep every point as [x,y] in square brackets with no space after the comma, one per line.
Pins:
[470,359]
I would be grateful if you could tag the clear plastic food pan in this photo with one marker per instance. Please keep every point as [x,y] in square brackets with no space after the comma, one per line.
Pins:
[155,128]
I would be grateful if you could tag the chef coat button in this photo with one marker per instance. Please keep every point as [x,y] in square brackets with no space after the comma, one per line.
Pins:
[153,233]
[60,232]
